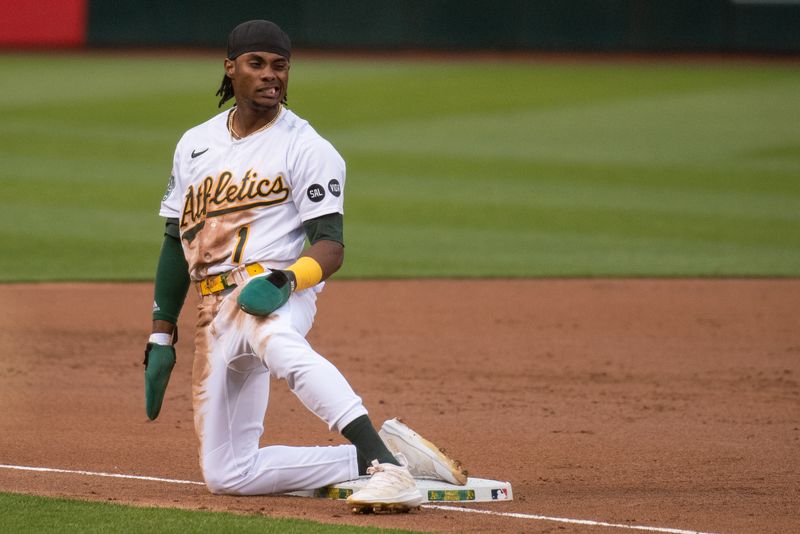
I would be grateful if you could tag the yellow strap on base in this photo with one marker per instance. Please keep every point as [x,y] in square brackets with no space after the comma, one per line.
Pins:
[307,272]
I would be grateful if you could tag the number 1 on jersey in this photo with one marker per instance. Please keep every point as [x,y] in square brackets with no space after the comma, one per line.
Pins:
[241,240]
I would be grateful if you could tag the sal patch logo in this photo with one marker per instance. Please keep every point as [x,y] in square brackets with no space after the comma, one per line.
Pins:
[334,187]
[315,193]
[170,187]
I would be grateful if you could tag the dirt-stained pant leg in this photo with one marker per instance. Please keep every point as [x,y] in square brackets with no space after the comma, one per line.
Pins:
[231,392]
[280,340]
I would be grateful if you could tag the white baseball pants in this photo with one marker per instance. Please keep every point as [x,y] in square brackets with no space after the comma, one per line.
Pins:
[235,354]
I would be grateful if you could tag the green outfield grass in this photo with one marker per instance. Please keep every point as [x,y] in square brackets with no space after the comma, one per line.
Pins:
[26,513]
[455,168]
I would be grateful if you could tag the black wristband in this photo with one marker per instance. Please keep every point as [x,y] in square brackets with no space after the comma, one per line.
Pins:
[280,278]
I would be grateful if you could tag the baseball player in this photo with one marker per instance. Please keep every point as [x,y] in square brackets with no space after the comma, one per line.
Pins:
[248,188]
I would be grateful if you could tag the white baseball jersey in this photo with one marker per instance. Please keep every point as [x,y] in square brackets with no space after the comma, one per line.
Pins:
[240,201]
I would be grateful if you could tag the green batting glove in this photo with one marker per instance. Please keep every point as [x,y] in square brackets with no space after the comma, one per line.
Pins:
[265,294]
[158,363]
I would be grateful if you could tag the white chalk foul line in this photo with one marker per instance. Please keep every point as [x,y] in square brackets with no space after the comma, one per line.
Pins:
[94,474]
[429,506]
[562,519]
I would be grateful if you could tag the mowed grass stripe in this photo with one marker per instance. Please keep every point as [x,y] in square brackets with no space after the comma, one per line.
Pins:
[479,191]
[455,168]
[27,513]
[709,129]
[559,253]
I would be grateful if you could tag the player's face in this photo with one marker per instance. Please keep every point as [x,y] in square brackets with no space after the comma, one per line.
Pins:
[260,79]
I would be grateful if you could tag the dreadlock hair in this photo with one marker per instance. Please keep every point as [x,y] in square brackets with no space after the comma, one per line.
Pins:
[225,92]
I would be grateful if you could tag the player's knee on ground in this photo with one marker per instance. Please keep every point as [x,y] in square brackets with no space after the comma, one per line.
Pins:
[223,479]
[220,484]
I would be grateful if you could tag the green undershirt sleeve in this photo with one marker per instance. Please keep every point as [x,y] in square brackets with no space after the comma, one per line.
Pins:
[172,277]
[329,227]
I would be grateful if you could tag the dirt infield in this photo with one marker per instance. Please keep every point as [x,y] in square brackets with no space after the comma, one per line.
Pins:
[665,403]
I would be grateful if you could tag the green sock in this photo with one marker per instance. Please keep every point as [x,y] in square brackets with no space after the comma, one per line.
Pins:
[369,444]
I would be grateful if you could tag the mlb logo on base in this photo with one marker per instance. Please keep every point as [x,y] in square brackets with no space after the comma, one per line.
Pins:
[500,494]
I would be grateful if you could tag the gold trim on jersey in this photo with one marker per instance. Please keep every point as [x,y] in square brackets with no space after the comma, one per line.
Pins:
[215,196]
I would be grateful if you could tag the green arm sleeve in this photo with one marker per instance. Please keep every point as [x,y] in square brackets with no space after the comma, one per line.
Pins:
[172,277]
[330,227]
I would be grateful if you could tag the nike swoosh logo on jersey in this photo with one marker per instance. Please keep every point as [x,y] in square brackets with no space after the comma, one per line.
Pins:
[195,153]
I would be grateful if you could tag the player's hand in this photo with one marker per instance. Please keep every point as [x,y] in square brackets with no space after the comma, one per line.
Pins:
[265,294]
[158,363]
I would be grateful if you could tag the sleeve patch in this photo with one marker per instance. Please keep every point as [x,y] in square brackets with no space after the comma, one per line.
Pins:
[334,187]
[170,188]
[315,193]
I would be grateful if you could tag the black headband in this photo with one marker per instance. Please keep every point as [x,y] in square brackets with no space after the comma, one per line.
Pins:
[258,36]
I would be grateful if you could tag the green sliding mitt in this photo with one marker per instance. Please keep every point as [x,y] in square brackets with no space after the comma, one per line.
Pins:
[158,363]
[265,294]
